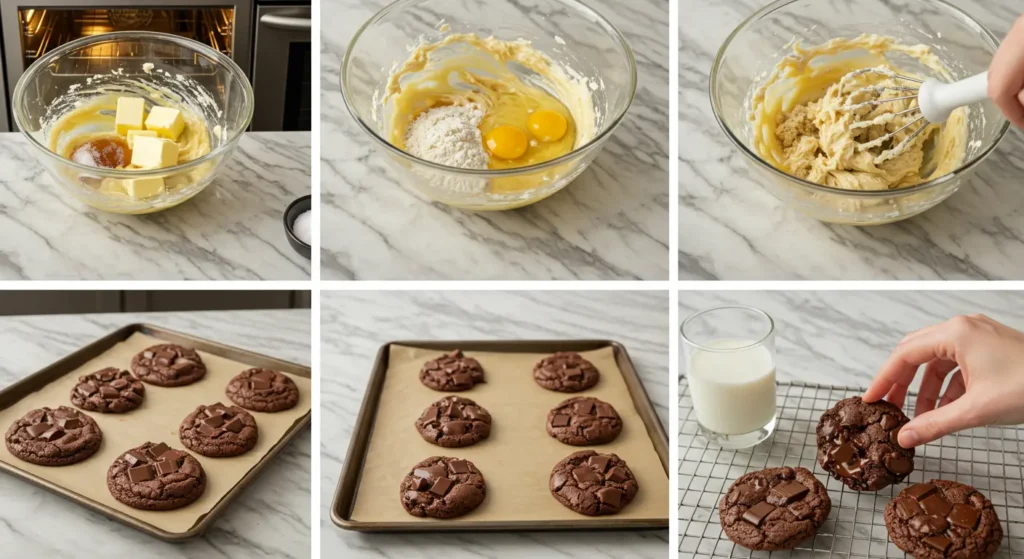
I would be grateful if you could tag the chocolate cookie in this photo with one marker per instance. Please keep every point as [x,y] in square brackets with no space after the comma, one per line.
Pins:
[168,365]
[57,437]
[442,487]
[943,520]
[452,372]
[584,421]
[108,390]
[453,422]
[219,431]
[263,390]
[857,444]
[593,484]
[566,371]
[774,509]
[156,477]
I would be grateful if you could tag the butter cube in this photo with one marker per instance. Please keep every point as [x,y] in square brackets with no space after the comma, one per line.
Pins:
[167,122]
[132,134]
[144,187]
[154,153]
[131,112]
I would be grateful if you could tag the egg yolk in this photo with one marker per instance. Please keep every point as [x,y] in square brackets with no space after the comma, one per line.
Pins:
[506,142]
[547,126]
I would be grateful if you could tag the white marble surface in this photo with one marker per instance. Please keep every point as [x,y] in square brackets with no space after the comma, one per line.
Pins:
[611,223]
[233,230]
[731,228]
[270,519]
[356,324]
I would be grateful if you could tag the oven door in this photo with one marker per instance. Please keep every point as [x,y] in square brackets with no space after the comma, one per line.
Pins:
[18,48]
[282,69]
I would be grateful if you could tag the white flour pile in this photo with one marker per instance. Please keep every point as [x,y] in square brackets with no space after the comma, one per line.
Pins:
[449,136]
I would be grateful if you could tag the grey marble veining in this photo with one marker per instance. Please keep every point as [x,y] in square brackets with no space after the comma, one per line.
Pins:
[270,519]
[611,223]
[356,323]
[732,228]
[842,337]
[232,230]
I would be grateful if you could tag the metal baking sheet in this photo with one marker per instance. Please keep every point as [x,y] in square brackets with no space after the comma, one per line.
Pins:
[988,458]
[346,494]
[35,382]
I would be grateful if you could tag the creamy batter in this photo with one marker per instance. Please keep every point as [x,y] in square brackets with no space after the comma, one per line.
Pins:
[469,70]
[803,126]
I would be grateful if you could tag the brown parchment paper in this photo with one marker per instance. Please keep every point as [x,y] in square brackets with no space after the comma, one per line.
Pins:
[517,458]
[156,420]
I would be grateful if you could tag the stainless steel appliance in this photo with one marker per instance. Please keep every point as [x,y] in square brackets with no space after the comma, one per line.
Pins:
[282,68]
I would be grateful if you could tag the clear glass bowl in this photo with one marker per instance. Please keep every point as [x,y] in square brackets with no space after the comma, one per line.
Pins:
[758,44]
[566,30]
[204,79]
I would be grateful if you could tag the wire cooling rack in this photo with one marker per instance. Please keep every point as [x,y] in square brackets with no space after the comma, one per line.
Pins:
[988,458]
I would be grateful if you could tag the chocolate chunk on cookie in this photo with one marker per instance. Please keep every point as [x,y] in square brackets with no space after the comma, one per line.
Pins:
[452,372]
[263,390]
[219,431]
[593,484]
[156,477]
[584,421]
[454,422]
[168,365]
[566,371]
[442,487]
[774,509]
[109,390]
[54,437]
[943,520]
[857,444]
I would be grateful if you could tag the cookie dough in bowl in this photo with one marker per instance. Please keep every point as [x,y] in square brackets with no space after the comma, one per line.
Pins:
[140,131]
[778,91]
[487,104]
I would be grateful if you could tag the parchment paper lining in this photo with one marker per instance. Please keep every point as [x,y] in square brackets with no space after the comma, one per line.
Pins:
[157,420]
[517,458]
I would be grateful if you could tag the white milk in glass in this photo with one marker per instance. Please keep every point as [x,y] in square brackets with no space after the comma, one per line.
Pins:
[733,392]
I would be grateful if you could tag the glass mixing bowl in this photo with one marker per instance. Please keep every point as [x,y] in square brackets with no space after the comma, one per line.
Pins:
[566,30]
[757,45]
[205,81]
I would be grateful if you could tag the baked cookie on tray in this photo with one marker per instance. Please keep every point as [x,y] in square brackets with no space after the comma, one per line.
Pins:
[857,444]
[219,431]
[156,477]
[584,421]
[943,520]
[109,390]
[263,390]
[566,371]
[454,422]
[452,372]
[442,487]
[54,437]
[774,509]
[593,484]
[168,365]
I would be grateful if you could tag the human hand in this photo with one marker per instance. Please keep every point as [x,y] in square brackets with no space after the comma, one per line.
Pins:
[988,389]
[1006,75]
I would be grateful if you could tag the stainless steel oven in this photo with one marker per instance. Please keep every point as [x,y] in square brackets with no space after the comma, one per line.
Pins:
[282,68]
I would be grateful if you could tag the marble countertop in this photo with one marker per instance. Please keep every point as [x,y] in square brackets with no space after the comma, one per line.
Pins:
[270,519]
[232,230]
[356,323]
[611,223]
[732,228]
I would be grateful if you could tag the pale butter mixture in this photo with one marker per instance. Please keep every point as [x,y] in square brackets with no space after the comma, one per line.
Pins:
[803,126]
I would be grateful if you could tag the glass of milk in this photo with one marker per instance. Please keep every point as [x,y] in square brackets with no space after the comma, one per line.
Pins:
[729,362]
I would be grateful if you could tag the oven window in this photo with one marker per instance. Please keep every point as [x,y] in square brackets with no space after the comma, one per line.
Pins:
[44,29]
[298,97]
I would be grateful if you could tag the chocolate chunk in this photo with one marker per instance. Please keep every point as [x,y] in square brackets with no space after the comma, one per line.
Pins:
[741,492]
[584,474]
[216,409]
[135,458]
[70,423]
[889,422]
[171,456]
[927,524]
[585,407]
[455,427]
[214,421]
[617,475]
[430,414]
[52,434]
[755,514]
[259,385]
[610,496]
[852,469]
[920,490]
[604,410]
[828,427]
[560,421]
[898,464]
[472,412]
[109,393]
[119,384]
[141,473]
[205,430]
[459,467]
[431,472]
[38,429]
[599,462]
[789,491]
[964,516]
[453,411]
[165,467]
[908,509]
[156,450]
[938,543]
[264,375]
[935,504]
[462,379]
[843,453]
[86,389]
[441,486]
[894,438]
[235,425]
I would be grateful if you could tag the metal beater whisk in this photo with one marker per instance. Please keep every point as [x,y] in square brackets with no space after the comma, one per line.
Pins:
[934,100]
